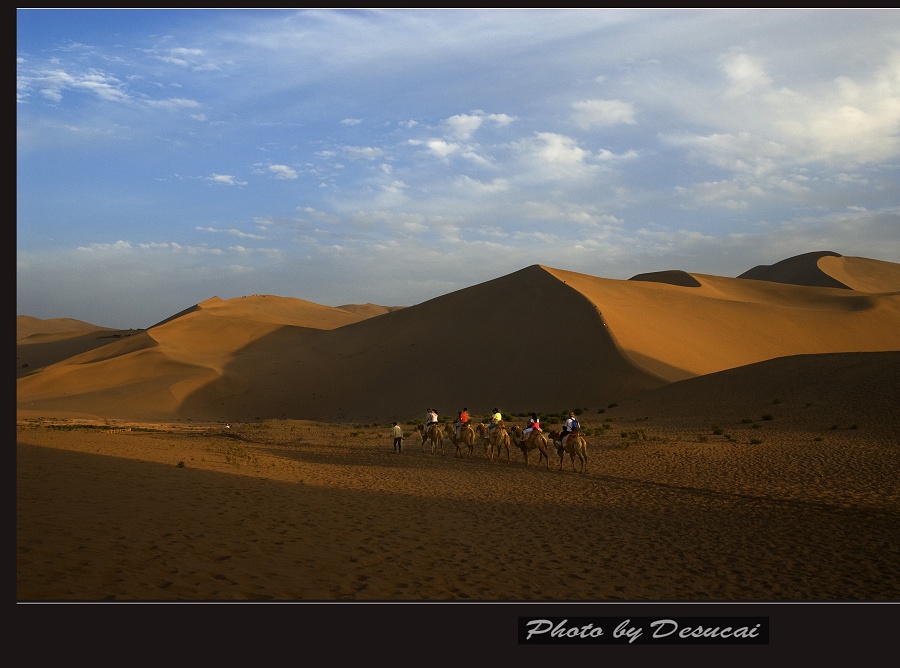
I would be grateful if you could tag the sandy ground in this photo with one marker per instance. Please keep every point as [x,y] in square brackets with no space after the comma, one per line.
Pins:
[301,511]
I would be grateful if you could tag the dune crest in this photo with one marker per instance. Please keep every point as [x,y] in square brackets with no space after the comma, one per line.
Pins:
[673,277]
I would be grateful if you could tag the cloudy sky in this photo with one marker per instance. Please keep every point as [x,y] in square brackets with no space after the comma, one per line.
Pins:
[392,156]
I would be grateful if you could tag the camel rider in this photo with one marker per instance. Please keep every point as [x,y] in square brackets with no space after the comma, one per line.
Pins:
[496,419]
[533,424]
[431,418]
[570,426]
[461,420]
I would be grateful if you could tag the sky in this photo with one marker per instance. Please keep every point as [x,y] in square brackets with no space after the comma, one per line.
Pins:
[392,156]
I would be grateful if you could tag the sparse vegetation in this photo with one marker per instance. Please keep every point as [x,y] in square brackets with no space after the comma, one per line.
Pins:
[235,454]
[768,416]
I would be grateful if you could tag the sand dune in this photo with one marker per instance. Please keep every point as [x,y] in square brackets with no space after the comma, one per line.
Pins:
[501,343]
[742,437]
[831,270]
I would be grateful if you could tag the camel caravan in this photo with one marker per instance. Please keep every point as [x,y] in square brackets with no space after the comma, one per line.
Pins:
[496,438]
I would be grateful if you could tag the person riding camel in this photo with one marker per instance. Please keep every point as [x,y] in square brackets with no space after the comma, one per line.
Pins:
[431,417]
[533,423]
[570,426]
[462,419]
[496,419]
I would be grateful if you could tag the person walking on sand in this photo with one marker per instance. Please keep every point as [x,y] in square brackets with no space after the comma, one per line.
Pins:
[397,434]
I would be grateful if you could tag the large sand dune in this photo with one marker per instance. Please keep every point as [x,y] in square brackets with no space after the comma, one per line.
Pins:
[538,339]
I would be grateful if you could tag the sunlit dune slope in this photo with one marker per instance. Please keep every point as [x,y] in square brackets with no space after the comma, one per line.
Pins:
[678,330]
[148,374]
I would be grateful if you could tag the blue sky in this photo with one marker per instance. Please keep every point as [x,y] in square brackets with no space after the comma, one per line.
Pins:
[392,156]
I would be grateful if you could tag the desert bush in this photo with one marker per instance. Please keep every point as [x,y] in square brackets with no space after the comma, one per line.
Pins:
[636,435]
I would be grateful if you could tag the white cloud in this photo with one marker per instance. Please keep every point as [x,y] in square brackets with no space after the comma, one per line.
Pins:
[363,152]
[225,179]
[230,231]
[745,74]
[441,148]
[463,126]
[602,113]
[174,103]
[283,172]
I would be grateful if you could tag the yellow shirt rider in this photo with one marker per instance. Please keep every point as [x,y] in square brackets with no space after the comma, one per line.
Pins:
[496,419]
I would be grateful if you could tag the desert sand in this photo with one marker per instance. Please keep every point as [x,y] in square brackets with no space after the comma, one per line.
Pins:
[742,438]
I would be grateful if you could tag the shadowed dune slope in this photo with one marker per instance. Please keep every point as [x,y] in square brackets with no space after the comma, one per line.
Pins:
[40,343]
[500,343]
[819,392]
[493,344]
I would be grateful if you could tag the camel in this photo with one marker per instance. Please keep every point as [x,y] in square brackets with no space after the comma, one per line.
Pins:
[465,437]
[575,445]
[536,439]
[435,434]
[498,439]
